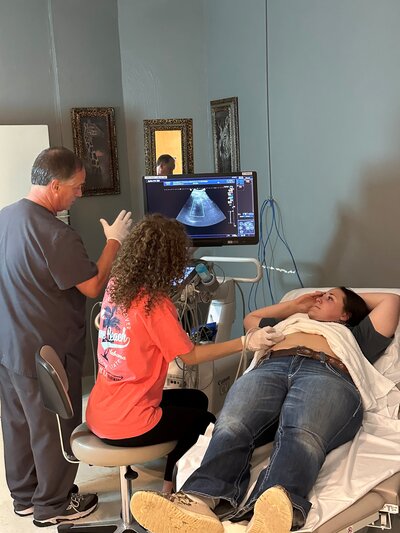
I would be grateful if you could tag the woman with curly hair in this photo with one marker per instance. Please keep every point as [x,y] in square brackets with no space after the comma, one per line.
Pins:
[139,336]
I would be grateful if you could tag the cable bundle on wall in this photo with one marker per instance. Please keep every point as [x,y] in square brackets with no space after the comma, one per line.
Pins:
[270,216]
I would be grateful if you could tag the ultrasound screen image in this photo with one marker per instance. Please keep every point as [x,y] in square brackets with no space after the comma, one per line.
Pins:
[199,210]
[217,207]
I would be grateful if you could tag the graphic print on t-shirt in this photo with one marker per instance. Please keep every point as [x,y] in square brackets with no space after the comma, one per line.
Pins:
[113,339]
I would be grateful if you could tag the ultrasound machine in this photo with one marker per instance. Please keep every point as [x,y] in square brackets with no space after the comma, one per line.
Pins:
[216,210]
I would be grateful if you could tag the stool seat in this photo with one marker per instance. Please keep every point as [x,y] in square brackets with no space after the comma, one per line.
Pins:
[91,450]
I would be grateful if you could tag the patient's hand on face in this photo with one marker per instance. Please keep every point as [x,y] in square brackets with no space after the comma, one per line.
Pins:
[306,301]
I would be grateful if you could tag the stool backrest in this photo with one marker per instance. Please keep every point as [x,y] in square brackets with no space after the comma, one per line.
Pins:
[53,382]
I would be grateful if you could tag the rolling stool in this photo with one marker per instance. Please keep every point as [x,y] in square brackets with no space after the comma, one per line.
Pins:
[89,449]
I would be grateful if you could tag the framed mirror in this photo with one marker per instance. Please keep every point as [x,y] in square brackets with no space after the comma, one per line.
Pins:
[173,136]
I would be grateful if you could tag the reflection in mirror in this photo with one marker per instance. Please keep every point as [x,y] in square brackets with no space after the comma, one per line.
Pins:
[170,142]
[169,136]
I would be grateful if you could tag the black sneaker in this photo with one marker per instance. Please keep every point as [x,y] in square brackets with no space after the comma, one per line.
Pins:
[74,490]
[22,510]
[80,505]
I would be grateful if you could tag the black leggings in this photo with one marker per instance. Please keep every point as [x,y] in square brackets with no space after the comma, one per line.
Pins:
[184,418]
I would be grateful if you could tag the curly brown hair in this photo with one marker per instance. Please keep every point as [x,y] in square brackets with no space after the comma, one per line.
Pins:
[151,259]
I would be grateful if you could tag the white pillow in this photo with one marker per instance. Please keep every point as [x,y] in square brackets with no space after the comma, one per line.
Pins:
[389,363]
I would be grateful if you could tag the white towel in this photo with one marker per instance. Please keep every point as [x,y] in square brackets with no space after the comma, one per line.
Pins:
[373,386]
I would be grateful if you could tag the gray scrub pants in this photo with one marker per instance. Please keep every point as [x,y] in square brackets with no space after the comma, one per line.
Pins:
[36,471]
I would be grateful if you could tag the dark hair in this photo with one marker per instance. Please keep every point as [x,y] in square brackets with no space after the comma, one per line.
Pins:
[55,163]
[152,257]
[165,159]
[354,305]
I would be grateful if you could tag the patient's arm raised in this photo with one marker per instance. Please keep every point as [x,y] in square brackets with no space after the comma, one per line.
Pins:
[385,311]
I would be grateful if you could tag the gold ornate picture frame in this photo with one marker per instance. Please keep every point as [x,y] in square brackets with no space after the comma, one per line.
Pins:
[173,136]
[95,142]
[225,134]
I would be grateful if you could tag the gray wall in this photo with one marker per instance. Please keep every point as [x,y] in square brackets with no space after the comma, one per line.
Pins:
[88,63]
[236,62]
[334,83]
[59,54]
[335,115]
[164,75]
[26,81]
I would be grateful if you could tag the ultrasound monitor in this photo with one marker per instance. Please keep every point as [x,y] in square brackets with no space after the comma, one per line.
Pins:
[216,209]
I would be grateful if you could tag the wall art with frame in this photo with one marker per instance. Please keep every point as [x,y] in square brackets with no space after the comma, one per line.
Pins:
[95,142]
[225,134]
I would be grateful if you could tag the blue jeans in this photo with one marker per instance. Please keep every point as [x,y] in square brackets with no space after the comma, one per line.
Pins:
[318,408]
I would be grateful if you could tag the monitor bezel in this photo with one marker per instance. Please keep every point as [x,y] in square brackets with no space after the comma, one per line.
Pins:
[215,241]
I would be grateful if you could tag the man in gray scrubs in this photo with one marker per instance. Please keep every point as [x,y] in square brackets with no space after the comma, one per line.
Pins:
[45,278]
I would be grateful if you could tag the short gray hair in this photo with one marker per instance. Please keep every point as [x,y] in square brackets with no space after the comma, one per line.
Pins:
[55,163]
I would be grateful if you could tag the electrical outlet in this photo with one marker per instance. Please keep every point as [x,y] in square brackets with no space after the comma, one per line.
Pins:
[174,382]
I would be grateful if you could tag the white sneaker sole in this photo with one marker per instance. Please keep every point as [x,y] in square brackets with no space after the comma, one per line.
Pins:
[159,515]
[273,513]
[25,512]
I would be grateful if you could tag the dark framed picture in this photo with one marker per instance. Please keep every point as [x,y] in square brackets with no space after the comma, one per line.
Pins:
[95,142]
[225,134]
[172,136]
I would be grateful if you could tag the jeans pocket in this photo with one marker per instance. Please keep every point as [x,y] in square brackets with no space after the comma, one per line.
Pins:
[344,376]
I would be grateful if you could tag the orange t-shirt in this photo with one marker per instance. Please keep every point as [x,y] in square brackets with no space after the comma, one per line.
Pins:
[134,350]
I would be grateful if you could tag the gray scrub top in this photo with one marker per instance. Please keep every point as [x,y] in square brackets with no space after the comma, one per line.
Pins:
[42,260]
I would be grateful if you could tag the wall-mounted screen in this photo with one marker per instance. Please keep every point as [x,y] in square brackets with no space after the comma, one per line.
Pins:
[216,209]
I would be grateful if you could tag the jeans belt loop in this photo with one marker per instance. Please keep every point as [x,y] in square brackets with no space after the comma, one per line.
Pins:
[265,356]
[322,357]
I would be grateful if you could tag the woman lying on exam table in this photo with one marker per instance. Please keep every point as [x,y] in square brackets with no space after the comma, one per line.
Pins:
[315,383]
